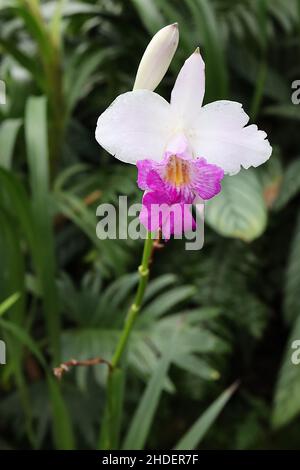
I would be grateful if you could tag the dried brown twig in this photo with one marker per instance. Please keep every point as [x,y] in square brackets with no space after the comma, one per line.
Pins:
[65,366]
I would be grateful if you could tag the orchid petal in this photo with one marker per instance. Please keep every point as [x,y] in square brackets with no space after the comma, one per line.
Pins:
[206,181]
[180,220]
[171,216]
[157,58]
[179,146]
[137,125]
[219,135]
[188,92]
[148,177]
[154,207]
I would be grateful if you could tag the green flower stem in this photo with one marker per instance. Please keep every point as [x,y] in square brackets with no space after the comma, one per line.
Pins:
[111,422]
[135,307]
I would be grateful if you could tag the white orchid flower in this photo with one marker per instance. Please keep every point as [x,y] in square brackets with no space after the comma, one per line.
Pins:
[141,124]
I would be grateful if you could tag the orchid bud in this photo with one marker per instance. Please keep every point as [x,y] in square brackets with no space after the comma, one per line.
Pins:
[157,58]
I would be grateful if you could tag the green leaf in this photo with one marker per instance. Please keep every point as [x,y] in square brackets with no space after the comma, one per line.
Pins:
[8,135]
[110,427]
[165,302]
[30,13]
[27,62]
[146,345]
[261,11]
[259,89]
[37,154]
[37,148]
[7,4]
[12,274]
[204,16]
[62,428]
[19,204]
[56,22]
[79,71]
[81,8]
[157,285]
[290,185]
[12,277]
[43,251]
[239,210]
[292,278]
[66,174]
[196,366]
[24,338]
[271,174]
[288,111]
[4,306]
[84,217]
[116,294]
[194,436]
[150,15]
[141,423]
[287,392]
[247,65]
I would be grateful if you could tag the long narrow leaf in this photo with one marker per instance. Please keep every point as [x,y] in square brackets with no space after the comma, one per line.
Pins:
[195,435]
[110,429]
[37,154]
[9,302]
[8,135]
[143,417]
[62,429]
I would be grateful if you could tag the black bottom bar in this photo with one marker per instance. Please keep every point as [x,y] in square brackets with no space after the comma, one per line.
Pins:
[136,459]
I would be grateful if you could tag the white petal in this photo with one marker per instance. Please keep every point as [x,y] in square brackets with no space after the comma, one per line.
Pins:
[219,135]
[188,92]
[137,125]
[157,58]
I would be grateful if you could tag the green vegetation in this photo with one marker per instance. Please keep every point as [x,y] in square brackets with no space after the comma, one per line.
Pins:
[209,362]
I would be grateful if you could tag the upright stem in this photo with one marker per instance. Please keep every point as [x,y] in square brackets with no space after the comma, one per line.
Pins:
[111,422]
[135,307]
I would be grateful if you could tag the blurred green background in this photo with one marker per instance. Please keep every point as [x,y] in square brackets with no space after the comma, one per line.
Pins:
[64,293]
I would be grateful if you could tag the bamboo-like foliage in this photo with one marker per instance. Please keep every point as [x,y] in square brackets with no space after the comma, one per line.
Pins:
[228,311]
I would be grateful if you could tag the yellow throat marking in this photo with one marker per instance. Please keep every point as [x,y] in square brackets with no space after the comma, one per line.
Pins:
[177,171]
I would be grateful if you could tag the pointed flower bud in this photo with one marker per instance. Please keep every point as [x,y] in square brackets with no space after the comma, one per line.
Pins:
[157,58]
